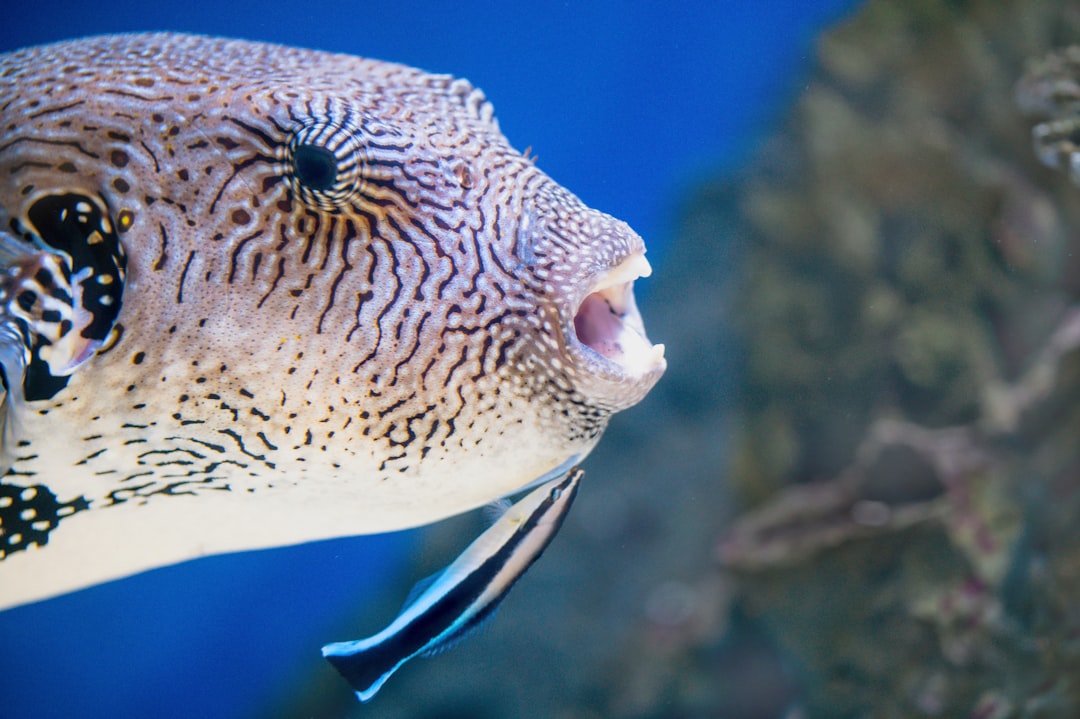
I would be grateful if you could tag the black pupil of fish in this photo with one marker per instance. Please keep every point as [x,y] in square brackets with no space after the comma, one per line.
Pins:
[316,167]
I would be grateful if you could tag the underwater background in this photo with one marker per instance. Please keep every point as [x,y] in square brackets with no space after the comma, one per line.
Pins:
[853,494]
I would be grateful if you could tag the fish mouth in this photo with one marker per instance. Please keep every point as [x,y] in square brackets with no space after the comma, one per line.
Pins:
[610,334]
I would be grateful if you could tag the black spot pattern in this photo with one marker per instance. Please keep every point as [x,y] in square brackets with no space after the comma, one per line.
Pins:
[28,513]
[78,226]
[56,290]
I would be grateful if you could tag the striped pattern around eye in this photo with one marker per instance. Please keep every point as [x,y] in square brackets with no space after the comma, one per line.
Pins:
[325,161]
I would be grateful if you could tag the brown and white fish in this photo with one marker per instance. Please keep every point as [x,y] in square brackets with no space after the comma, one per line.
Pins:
[252,295]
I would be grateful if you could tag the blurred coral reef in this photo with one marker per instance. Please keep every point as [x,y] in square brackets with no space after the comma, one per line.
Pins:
[908,318]
[857,491]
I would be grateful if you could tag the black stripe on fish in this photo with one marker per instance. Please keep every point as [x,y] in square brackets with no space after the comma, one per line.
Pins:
[459,605]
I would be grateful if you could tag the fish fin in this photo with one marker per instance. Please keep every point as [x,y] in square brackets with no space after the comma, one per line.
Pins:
[563,470]
[494,510]
[14,251]
[419,588]
[364,663]
[367,663]
[476,624]
[359,663]
[13,363]
[64,280]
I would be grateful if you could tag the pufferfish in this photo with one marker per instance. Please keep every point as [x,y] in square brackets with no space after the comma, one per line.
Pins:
[253,295]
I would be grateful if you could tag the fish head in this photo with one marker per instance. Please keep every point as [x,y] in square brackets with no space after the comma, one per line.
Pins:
[586,340]
[469,228]
[559,274]
[339,301]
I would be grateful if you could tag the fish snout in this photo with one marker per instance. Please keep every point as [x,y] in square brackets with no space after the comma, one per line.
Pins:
[607,338]
[588,263]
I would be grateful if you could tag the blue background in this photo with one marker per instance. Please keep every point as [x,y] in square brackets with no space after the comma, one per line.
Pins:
[626,104]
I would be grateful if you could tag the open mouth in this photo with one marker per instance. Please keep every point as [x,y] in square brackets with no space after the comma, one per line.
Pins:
[608,322]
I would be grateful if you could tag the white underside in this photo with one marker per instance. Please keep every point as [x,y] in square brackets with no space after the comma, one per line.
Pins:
[107,543]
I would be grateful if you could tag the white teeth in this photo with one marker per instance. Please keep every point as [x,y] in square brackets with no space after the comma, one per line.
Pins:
[628,270]
[608,323]
[635,353]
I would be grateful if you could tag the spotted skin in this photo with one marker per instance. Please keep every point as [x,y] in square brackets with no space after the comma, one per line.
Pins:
[347,304]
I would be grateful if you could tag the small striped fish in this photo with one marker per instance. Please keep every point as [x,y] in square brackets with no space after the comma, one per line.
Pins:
[447,607]
[253,295]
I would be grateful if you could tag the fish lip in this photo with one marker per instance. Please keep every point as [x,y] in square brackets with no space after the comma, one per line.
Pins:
[605,330]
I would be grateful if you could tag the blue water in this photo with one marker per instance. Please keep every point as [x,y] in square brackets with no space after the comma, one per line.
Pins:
[217,637]
[625,103]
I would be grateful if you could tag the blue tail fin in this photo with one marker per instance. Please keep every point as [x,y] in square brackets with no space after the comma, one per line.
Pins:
[359,663]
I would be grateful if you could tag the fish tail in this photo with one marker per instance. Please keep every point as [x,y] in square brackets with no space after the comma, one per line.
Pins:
[364,663]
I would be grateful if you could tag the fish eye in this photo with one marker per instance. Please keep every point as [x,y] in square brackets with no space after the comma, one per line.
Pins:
[316,167]
[324,163]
